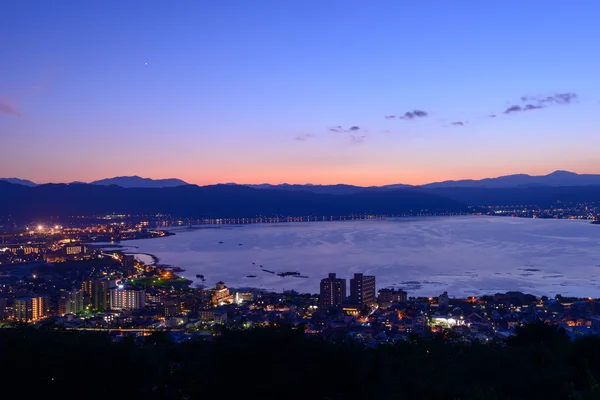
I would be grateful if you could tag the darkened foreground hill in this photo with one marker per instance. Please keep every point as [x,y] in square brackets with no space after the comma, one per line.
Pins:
[222,201]
[540,362]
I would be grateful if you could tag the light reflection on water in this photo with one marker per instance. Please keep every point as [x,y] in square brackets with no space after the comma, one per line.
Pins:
[461,255]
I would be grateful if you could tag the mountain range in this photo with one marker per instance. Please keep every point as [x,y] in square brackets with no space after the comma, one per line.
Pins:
[138,182]
[122,181]
[20,199]
[218,201]
[555,179]
[18,181]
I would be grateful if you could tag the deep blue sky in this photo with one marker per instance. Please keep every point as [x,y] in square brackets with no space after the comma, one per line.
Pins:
[269,91]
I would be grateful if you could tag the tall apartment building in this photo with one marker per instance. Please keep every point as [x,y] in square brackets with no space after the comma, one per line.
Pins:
[127,298]
[333,291]
[71,302]
[32,308]
[99,293]
[362,290]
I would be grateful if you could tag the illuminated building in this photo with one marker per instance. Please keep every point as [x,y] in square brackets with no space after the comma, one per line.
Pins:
[33,308]
[244,297]
[220,295]
[54,257]
[446,321]
[362,289]
[206,315]
[400,296]
[386,296]
[333,291]
[392,296]
[72,250]
[98,290]
[71,302]
[127,298]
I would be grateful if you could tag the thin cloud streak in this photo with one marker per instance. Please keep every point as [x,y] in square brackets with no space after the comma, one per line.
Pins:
[8,108]
[304,137]
[357,139]
[517,108]
[558,98]
[409,115]
[356,134]
[538,102]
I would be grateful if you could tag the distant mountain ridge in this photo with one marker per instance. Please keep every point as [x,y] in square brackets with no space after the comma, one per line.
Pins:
[218,201]
[554,179]
[339,189]
[18,181]
[139,182]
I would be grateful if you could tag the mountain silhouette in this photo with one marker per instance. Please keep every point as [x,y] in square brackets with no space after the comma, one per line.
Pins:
[139,182]
[18,181]
[556,178]
[218,201]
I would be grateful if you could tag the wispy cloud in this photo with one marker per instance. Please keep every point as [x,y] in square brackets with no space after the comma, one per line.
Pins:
[414,114]
[492,116]
[340,129]
[304,137]
[357,139]
[517,108]
[355,133]
[8,108]
[409,115]
[538,102]
[558,98]
[458,123]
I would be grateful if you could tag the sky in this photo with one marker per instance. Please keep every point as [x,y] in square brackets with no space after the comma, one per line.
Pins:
[298,91]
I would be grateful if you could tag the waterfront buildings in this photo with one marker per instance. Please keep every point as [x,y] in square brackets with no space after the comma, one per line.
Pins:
[98,292]
[31,308]
[127,298]
[362,290]
[71,302]
[388,296]
[333,291]
[220,295]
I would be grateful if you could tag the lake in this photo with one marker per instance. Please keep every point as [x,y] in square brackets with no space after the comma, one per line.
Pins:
[426,256]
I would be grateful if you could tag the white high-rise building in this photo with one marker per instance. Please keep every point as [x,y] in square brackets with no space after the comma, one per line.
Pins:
[127,298]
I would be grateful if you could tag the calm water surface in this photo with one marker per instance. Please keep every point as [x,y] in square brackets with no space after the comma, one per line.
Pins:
[461,255]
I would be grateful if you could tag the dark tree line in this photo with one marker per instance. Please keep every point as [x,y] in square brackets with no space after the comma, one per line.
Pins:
[540,362]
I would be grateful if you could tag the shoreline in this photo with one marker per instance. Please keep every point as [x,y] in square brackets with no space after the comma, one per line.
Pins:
[193,283]
[155,259]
